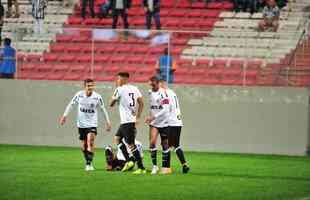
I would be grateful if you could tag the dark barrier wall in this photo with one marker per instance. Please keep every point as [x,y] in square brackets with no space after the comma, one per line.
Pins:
[217,119]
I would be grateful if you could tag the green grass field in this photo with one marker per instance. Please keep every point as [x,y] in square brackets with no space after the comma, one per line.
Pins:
[28,172]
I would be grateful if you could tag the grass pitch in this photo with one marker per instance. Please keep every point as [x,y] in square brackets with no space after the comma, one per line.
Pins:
[28,172]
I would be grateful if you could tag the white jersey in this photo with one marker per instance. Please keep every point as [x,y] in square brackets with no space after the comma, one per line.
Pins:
[120,155]
[175,118]
[127,97]
[87,115]
[159,108]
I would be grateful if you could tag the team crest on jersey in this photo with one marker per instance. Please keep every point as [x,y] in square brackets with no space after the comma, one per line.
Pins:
[92,105]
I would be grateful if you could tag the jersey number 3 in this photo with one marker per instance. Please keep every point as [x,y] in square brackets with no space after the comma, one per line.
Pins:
[132,95]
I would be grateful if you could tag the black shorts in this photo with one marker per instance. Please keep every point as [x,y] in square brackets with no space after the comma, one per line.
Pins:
[163,132]
[84,131]
[128,132]
[174,136]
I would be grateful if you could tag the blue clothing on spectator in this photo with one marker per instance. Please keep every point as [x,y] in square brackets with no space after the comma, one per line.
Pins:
[8,64]
[165,64]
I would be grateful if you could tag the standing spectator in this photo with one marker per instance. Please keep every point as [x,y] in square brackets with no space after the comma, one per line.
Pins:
[38,13]
[120,7]
[16,5]
[152,8]
[271,15]
[166,67]
[1,20]
[91,4]
[8,65]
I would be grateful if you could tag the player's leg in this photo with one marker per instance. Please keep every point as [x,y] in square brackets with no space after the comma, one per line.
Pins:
[130,140]
[176,133]
[90,151]
[109,156]
[83,139]
[166,156]
[118,141]
[153,150]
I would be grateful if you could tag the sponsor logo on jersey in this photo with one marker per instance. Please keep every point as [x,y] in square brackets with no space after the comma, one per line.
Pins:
[155,107]
[85,110]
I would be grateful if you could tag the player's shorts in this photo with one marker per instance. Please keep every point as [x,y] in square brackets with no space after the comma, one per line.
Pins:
[128,132]
[163,132]
[174,136]
[85,131]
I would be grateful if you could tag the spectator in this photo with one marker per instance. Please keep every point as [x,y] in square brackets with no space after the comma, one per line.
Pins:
[16,5]
[152,8]
[120,7]
[104,9]
[38,13]
[271,15]
[1,20]
[260,5]
[91,4]
[8,65]
[166,67]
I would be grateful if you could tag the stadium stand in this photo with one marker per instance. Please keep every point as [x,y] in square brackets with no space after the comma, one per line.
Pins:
[215,45]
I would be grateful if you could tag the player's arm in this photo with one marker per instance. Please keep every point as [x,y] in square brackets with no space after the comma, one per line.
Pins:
[115,97]
[105,115]
[68,109]
[140,107]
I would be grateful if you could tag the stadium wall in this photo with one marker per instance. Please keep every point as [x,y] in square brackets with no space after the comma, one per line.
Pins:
[217,119]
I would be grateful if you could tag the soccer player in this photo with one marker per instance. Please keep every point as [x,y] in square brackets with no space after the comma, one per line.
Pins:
[131,104]
[158,121]
[88,102]
[175,125]
[117,161]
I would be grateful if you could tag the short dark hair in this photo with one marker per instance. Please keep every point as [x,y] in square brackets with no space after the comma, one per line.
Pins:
[123,74]
[7,41]
[89,80]
[154,78]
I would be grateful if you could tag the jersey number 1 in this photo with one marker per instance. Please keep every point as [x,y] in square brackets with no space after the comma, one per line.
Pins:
[132,95]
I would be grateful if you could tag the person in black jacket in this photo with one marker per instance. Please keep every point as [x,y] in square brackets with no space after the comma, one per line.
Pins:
[152,8]
[120,7]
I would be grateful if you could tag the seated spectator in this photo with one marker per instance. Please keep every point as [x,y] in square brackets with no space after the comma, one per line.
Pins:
[166,67]
[8,64]
[271,15]
[10,5]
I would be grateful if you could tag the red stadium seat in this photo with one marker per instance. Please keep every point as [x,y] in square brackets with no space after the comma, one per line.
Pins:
[66,58]
[199,5]
[101,58]
[50,57]
[84,58]
[64,38]
[57,48]
[74,20]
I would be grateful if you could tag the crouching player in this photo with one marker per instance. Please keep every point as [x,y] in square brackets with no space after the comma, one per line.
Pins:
[175,125]
[117,161]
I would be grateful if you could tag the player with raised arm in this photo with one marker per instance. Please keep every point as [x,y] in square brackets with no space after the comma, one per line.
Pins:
[175,125]
[88,101]
[131,104]
[158,121]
